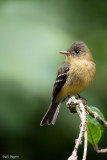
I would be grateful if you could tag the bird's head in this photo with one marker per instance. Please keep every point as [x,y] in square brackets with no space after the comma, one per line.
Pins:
[78,50]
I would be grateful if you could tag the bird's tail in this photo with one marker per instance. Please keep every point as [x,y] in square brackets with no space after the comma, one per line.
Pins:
[51,114]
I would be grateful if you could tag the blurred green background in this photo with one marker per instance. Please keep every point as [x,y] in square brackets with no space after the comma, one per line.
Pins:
[31,35]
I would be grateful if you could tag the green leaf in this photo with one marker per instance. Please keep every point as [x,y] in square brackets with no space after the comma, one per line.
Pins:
[95,129]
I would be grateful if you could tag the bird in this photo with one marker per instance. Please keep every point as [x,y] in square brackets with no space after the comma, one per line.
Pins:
[74,75]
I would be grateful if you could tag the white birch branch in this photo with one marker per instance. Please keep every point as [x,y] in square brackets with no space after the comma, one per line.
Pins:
[80,109]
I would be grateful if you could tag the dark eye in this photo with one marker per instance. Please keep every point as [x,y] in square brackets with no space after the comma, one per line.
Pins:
[77,52]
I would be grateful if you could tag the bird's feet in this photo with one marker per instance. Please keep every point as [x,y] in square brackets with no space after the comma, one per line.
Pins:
[82,98]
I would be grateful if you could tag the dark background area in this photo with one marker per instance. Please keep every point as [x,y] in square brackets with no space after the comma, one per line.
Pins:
[31,35]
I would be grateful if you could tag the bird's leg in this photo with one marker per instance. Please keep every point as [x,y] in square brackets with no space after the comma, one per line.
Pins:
[66,98]
[79,97]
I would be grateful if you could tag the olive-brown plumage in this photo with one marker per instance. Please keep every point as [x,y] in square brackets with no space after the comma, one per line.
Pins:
[74,75]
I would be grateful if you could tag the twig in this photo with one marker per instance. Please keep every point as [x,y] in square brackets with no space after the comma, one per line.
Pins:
[80,106]
[96,116]
[100,150]
[80,109]
[84,121]
[72,106]
[85,145]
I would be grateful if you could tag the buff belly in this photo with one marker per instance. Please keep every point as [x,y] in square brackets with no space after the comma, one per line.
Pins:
[77,81]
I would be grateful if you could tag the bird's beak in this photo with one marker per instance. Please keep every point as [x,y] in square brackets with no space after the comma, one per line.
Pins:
[65,52]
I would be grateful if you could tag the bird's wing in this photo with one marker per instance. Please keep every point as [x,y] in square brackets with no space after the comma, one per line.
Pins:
[61,78]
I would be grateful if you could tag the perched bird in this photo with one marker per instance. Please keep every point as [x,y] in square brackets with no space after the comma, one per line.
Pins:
[74,75]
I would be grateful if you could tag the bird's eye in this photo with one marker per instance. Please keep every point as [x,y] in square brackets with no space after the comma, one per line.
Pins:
[77,52]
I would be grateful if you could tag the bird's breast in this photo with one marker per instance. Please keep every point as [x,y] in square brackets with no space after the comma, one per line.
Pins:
[80,76]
